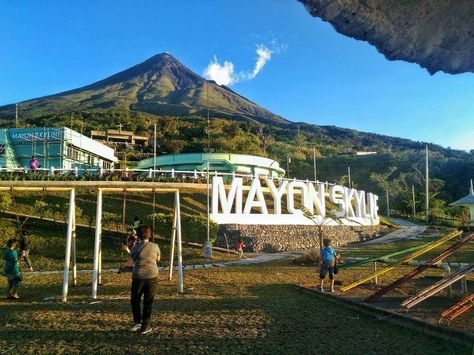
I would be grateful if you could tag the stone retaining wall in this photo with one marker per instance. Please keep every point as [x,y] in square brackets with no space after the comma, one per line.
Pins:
[274,238]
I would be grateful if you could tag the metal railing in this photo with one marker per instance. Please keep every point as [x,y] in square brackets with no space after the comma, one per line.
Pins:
[132,174]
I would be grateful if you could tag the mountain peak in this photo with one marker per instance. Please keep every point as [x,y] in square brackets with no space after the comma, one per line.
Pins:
[162,58]
[160,85]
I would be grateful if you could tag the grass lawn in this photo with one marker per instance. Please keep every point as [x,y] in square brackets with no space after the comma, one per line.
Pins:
[234,310]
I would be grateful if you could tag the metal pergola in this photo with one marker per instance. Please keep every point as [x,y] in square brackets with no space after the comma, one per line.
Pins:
[102,187]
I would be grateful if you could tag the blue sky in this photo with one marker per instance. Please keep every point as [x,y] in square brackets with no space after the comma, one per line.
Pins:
[314,74]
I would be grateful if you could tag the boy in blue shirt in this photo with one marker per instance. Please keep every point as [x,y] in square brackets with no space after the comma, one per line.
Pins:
[327,264]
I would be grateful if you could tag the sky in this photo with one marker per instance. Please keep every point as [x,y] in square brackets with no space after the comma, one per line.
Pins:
[270,51]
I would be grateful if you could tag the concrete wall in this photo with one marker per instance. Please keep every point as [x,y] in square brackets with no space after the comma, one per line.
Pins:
[274,238]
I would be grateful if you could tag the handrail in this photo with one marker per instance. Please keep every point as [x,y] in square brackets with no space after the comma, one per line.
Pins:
[150,173]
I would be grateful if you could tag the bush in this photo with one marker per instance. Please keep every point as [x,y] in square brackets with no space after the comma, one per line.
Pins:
[5,201]
[311,258]
[194,227]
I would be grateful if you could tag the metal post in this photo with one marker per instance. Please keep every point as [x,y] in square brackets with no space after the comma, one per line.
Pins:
[180,252]
[464,287]
[74,263]
[447,272]
[173,240]
[17,124]
[349,176]
[154,149]
[427,179]
[98,227]
[207,245]
[376,280]
[67,259]
[314,164]
[100,260]
[388,204]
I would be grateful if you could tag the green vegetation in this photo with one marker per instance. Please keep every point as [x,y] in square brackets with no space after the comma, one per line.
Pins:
[48,242]
[54,206]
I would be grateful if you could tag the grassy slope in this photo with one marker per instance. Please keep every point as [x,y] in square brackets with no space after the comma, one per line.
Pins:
[465,254]
[48,245]
[238,310]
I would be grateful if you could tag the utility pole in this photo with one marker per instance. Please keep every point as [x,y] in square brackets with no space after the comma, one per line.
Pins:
[427,179]
[154,149]
[208,122]
[16,116]
[207,245]
[349,176]
[388,204]
[314,164]
[413,198]
[71,120]
[288,161]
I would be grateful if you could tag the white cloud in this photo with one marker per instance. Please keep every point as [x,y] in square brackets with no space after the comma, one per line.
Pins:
[264,55]
[224,74]
[221,74]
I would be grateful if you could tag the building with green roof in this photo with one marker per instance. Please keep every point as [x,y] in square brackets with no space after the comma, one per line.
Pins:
[220,162]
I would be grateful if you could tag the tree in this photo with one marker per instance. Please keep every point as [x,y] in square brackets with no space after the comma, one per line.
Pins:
[5,201]
[41,208]
[231,130]
[265,138]
[110,219]
[320,223]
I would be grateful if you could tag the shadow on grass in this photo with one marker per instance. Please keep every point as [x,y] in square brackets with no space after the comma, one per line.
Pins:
[224,317]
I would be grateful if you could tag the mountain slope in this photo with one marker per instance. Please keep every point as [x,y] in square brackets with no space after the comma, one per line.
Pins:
[160,85]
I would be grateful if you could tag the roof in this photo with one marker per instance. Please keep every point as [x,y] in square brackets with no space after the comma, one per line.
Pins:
[200,160]
[466,200]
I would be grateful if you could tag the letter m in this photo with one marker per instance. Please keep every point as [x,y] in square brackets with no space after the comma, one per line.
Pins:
[226,202]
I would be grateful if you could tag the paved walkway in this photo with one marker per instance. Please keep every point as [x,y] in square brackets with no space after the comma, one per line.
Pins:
[259,259]
[407,230]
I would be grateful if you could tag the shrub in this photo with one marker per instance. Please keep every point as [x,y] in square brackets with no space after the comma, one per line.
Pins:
[5,201]
[310,258]
[194,227]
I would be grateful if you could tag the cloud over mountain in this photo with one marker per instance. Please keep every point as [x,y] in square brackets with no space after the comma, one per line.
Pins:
[224,74]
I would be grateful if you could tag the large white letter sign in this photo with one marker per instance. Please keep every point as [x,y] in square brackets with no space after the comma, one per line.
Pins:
[348,196]
[230,206]
[360,204]
[317,199]
[277,194]
[290,196]
[334,190]
[219,195]
[255,191]
[373,208]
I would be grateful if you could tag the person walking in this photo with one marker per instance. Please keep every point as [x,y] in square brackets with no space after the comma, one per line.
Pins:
[239,247]
[327,264]
[25,249]
[145,255]
[12,269]
[34,163]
